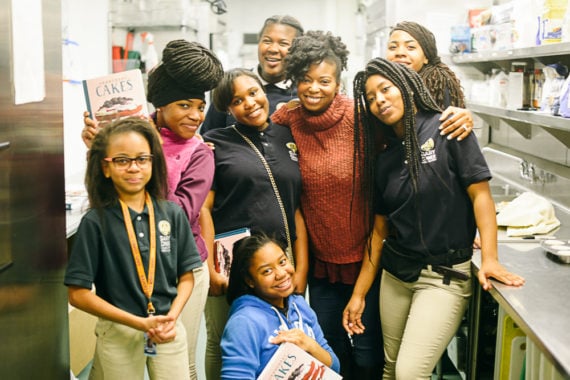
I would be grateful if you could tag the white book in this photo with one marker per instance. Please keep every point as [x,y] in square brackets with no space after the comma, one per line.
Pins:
[291,362]
[116,96]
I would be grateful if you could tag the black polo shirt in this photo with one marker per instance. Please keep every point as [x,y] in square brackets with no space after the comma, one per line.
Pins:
[244,195]
[440,216]
[101,255]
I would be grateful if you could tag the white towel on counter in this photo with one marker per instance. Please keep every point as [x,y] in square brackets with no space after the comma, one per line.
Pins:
[528,214]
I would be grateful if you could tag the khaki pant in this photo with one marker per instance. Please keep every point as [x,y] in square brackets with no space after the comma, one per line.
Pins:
[419,319]
[119,355]
[217,311]
[191,315]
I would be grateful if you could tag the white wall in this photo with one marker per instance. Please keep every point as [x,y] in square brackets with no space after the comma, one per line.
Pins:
[336,16]
[84,24]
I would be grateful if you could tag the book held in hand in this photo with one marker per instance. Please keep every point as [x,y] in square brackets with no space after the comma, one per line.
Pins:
[291,362]
[223,247]
[116,96]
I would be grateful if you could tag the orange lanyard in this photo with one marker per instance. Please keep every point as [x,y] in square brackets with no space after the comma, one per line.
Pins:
[147,285]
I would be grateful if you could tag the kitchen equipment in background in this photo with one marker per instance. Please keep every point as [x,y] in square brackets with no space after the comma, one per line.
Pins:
[126,58]
[519,87]
[554,75]
[511,344]
[557,249]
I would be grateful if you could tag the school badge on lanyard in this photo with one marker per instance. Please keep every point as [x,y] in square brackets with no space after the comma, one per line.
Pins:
[164,229]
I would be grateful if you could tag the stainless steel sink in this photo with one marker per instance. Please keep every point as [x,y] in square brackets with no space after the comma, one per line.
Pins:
[503,192]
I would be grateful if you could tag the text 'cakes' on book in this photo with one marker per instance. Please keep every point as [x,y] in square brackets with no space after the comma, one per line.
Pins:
[116,96]
[291,362]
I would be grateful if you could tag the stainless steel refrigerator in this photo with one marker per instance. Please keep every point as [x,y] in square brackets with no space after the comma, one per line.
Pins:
[33,301]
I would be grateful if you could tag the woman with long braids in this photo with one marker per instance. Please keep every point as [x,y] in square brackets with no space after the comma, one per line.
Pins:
[427,196]
[413,45]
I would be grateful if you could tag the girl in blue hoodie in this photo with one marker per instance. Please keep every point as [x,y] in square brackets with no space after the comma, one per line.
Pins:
[264,311]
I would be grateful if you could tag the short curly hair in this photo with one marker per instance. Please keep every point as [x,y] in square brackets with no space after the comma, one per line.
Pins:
[314,47]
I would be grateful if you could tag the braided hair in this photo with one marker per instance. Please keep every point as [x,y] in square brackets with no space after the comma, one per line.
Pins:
[415,96]
[283,20]
[187,71]
[441,81]
[312,48]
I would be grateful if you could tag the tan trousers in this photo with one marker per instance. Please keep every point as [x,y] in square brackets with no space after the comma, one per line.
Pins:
[119,354]
[419,319]
[192,314]
[217,311]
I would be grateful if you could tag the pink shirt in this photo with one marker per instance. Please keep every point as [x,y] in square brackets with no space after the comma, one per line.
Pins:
[190,166]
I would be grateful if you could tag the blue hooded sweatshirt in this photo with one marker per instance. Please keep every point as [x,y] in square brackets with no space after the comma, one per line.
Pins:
[252,322]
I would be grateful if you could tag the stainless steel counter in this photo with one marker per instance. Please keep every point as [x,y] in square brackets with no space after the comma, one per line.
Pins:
[542,306]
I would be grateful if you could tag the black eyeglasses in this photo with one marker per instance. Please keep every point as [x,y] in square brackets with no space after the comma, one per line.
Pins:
[122,162]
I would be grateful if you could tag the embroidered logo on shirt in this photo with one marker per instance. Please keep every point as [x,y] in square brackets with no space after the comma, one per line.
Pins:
[164,227]
[164,238]
[428,151]
[292,151]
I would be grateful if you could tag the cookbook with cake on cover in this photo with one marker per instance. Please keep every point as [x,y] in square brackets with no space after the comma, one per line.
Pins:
[116,96]
[291,362]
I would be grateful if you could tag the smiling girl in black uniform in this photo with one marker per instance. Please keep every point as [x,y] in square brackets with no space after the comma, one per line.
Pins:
[244,193]
[430,195]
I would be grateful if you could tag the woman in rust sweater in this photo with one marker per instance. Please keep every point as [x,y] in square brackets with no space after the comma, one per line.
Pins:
[321,122]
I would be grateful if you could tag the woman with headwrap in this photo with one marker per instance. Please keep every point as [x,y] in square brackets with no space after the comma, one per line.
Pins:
[414,45]
[429,195]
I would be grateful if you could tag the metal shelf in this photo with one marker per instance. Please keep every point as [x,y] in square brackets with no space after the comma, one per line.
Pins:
[557,49]
[522,121]
[528,117]
[155,27]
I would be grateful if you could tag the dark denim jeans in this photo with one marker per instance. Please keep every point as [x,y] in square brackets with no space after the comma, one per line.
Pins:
[329,300]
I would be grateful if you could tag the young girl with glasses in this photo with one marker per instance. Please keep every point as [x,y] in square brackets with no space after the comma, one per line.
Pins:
[177,89]
[136,249]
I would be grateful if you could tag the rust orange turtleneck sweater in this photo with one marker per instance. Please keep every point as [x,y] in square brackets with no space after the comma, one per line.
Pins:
[336,233]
